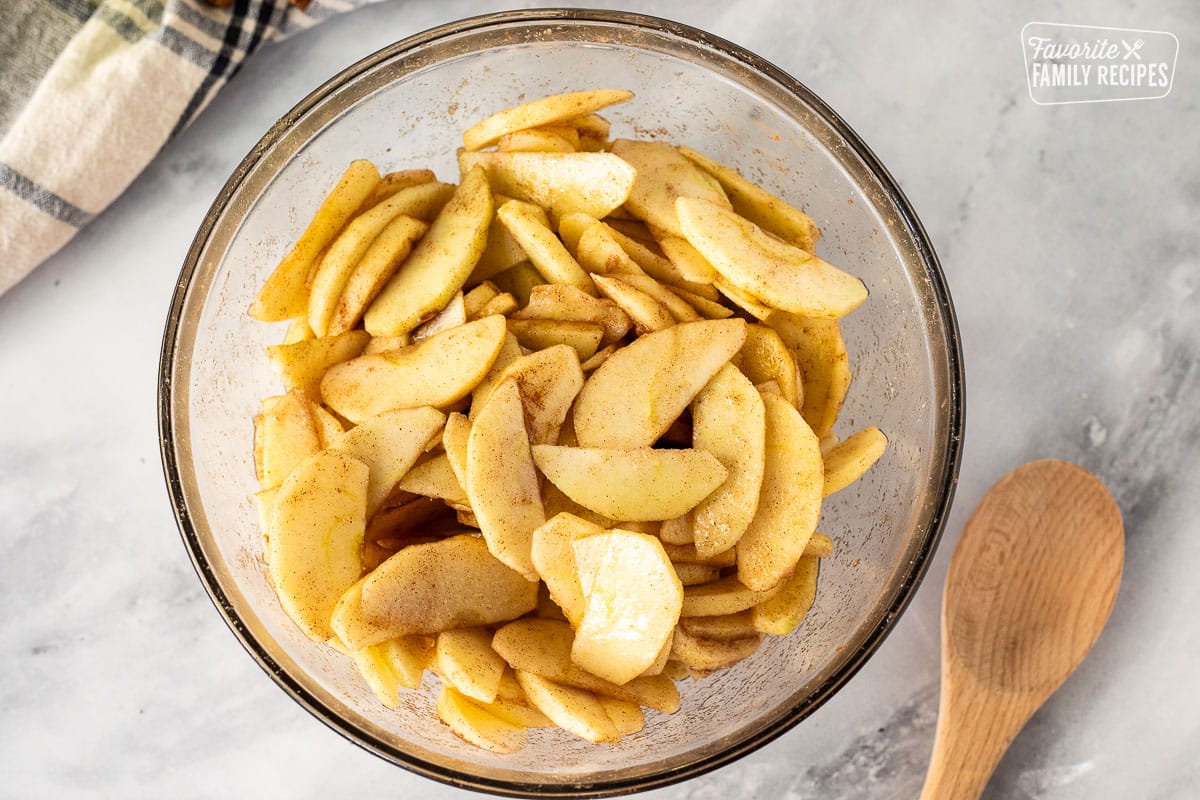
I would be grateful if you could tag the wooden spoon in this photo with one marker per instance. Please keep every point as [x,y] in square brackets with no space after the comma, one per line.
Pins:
[1030,586]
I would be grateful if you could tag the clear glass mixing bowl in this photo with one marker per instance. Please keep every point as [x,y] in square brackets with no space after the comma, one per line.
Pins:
[406,106]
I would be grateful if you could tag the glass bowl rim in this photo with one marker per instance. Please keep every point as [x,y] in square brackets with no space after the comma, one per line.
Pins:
[955,412]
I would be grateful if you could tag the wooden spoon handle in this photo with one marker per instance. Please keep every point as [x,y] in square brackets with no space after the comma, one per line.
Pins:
[973,732]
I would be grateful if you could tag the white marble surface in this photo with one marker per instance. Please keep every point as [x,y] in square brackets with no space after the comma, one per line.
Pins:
[1069,237]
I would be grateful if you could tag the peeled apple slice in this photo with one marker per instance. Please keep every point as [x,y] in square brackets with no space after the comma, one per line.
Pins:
[576,710]
[429,588]
[632,600]
[479,727]
[633,397]
[389,444]
[793,479]
[438,371]
[439,264]
[640,485]
[543,111]
[313,550]
[729,421]
[590,183]
[502,483]
[779,274]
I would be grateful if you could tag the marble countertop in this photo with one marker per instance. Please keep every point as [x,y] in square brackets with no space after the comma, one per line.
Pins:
[1069,239]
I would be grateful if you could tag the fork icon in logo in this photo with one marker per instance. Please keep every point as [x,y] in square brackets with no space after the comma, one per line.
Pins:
[1132,49]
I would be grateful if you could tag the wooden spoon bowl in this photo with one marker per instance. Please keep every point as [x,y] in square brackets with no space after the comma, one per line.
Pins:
[1031,585]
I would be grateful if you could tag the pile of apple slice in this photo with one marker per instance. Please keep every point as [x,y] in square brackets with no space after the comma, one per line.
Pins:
[558,434]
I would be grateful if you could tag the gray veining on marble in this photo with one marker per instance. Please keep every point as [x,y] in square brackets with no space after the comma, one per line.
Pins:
[1069,239]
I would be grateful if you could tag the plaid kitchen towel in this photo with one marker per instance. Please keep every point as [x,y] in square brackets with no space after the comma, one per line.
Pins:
[90,90]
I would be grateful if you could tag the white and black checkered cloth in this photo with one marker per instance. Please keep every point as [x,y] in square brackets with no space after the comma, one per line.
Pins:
[90,90]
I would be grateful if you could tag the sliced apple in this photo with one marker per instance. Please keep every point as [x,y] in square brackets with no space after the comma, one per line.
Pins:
[600,253]
[475,300]
[646,254]
[566,303]
[660,661]
[544,249]
[702,655]
[686,554]
[556,502]
[847,461]
[546,607]
[632,600]
[647,313]
[765,358]
[388,251]
[501,251]
[451,316]
[543,111]
[302,365]
[639,484]
[389,444]
[722,627]
[678,530]
[298,331]
[549,380]
[555,560]
[793,479]
[329,428]
[819,545]
[413,518]
[285,293]
[313,550]
[510,351]
[663,175]
[742,299]
[287,434]
[519,281]
[503,303]
[570,708]
[518,713]
[590,126]
[725,596]
[635,396]
[438,371]
[390,666]
[536,140]
[454,442]
[626,716]
[729,421]
[502,482]
[823,362]
[543,647]
[779,274]
[591,183]
[781,613]
[571,228]
[435,477]
[539,334]
[428,588]
[385,344]
[591,364]
[439,264]
[696,574]
[709,309]
[472,722]
[394,182]
[679,308]
[345,253]
[758,205]
[464,657]
[686,259]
